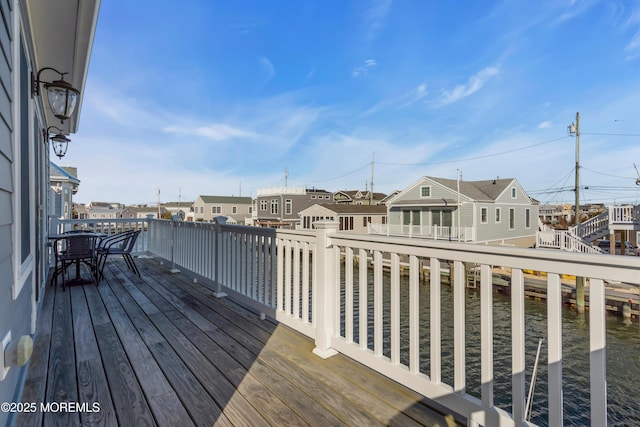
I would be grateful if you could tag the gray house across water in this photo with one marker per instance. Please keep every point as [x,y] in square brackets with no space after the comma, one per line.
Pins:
[496,211]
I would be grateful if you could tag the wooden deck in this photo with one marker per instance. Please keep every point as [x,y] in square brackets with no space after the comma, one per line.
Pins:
[161,350]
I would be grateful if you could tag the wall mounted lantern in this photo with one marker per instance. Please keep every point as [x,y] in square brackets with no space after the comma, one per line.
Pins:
[59,142]
[61,95]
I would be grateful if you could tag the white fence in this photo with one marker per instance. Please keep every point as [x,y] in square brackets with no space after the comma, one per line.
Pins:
[319,283]
[435,232]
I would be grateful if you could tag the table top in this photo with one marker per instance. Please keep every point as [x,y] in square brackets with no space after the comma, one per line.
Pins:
[84,233]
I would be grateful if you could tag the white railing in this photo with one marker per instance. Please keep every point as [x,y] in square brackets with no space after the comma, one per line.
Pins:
[624,214]
[435,232]
[564,240]
[331,285]
[105,226]
[592,226]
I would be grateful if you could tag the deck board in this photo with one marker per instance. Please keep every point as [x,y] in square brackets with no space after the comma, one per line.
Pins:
[160,349]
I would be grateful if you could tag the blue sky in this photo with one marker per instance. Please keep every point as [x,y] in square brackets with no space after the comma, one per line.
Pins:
[220,97]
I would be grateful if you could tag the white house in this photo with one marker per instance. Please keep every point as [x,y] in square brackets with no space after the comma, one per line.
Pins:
[64,184]
[356,218]
[496,211]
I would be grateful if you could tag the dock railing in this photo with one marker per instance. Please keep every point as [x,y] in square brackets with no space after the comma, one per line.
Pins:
[348,292]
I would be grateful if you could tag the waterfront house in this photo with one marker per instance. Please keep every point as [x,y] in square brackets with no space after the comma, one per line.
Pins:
[496,211]
[64,184]
[206,208]
[142,211]
[280,207]
[37,37]
[351,217]
[183,210]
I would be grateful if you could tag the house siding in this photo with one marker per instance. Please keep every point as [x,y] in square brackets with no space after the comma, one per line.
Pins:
[15,314]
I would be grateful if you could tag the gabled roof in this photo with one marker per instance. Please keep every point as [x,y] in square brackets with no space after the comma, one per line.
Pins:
[56,173]
[488,190]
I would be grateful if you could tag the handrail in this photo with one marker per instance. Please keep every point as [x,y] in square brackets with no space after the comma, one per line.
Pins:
[327,284]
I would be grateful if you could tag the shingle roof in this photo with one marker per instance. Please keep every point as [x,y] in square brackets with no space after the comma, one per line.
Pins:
[354,209]
[226,199]
[477,190]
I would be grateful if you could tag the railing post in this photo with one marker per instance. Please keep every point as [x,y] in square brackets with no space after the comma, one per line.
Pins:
[326,288]
[219,221]
[174,220]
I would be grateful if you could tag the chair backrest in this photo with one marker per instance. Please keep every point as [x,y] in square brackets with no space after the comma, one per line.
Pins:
[79,246]
[132,241]
[119,241]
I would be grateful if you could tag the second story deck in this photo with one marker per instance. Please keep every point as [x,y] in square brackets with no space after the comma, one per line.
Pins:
[161,350]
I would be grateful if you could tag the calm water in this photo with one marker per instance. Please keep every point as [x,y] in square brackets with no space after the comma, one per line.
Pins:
[623,355]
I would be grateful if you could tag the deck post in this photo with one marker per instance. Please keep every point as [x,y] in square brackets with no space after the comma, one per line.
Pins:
[326,296]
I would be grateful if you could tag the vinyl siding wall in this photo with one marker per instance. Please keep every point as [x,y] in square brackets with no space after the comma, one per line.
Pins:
[15,314]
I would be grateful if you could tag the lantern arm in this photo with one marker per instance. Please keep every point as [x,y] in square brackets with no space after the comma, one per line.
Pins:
[35,82]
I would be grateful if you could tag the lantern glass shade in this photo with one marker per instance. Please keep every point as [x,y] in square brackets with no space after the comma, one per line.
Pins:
[60,144]
[62,98]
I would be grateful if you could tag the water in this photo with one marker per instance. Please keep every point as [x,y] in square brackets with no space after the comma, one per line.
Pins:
[623,356]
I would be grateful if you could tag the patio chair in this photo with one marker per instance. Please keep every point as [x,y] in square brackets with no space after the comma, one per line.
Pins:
[118,244]
[78,248]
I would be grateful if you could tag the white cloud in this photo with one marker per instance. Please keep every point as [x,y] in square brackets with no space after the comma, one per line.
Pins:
[267,68]
[544,125]
[474,84]
[376,15]
[364,69]
[633,47]
[215,132]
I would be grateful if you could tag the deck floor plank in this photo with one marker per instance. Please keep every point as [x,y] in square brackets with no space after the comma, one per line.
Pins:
[161,349]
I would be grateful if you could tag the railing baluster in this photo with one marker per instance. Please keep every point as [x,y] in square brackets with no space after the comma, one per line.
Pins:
[377,304]
[348,294]
[518,345]
[363,333]
[280,275]
[554,324]
[287,277]
[395,309]
[459,322]
[435,321]
[414,315]
[486,334]
[305,282]
[296,279]
[597,352]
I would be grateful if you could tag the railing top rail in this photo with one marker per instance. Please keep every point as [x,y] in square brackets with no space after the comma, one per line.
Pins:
[625,269]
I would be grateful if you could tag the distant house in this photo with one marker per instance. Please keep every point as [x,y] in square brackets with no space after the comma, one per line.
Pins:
[183,210]
[64,184]
[280,207]
[205,208]
[356,218]
[357,197]
[142,212]
[496,211]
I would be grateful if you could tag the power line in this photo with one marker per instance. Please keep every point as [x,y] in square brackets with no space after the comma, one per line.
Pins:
[475,158]
[610,134]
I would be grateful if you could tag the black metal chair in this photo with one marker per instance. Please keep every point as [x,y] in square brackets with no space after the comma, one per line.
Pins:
[78,248]
[118,244]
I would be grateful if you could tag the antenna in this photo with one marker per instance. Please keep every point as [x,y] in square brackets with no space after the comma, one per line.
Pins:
[637,173]
[286,176]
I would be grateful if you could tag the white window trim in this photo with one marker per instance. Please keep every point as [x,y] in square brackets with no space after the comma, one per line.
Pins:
[514,193]
[425,186]
[497,215]
[486,220]
[527,211]
[512,214]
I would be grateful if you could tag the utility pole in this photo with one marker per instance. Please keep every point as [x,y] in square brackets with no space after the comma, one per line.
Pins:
[575,129]
[371,191]
[158,202]
[286,177]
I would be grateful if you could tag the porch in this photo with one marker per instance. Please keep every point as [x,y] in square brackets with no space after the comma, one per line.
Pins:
[162,350]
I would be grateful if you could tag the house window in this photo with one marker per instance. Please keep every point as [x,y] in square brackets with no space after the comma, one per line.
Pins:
[366,220]
[512,218]
[215,209]
[498,215]
[346,223]
[384,220]
[425,191]
[274,206]
[483,215]
[313,197]
[288,206]
[263,205]
[527,218]
[250,209]
[234,209]
[513,193]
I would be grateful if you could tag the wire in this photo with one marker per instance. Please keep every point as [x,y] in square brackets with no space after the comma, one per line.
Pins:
[609,134]
[334,178]
[606,174]
[474,158]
